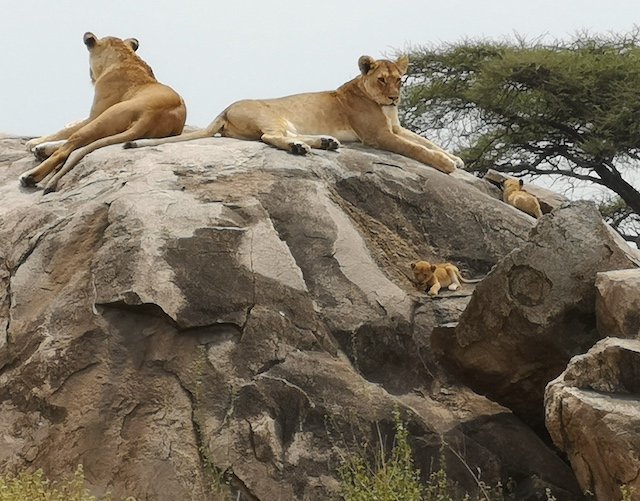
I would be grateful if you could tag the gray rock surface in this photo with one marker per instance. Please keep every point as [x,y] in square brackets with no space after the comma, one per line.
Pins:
[219,311]
[593,415]
[535,310]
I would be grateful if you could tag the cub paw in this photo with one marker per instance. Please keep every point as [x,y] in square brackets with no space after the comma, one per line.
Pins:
[299,148]
[31,144]
[453,287]
[329,143]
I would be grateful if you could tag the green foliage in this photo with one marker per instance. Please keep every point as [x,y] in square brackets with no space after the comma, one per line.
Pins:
[36,487]
[627,493]
[393,478]
[563,108]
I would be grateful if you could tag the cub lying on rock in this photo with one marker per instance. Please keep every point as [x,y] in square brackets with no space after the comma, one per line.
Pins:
[514,195]
[435,276]
[363,109]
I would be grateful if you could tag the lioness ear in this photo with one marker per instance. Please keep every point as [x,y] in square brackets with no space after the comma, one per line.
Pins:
[521,183]
[89,39]
[403,63]
[366,64]
[133,43]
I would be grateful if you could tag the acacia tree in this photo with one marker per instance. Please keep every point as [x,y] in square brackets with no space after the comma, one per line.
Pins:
[569,109]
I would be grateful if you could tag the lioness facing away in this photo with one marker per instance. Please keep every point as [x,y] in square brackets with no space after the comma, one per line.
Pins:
[363,109]
[129,103]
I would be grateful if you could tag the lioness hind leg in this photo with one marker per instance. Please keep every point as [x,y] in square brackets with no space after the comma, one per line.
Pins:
[291,144]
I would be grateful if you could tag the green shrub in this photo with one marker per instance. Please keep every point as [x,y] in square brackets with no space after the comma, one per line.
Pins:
[392,478]
[36,487]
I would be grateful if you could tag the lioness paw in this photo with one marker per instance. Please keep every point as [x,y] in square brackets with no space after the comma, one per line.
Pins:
[329,143]
[31,144]
[129,145]
[40,152]
[458,161]
[27,180]
[298,148]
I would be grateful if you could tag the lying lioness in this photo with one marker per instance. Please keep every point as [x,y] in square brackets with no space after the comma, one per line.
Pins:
[436,276]
[363,109]
[514,195]
[129,103]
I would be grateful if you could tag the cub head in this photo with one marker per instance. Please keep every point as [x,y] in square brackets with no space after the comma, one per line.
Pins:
[103,52]
[381,79]
[422,271]
[512,184]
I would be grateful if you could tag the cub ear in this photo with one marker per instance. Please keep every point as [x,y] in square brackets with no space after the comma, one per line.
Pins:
[366,64]
[133,43]
[403,63]
[433,267]
[521,183]
[413,265]
[89,39]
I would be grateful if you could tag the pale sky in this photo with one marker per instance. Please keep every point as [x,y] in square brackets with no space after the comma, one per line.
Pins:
[214,53]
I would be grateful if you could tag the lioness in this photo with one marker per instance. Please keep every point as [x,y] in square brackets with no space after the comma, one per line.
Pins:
[436,276]
[363,109]
[526,202]
[129,103]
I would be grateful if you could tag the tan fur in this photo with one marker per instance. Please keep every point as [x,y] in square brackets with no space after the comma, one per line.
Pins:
[435,276]
[129,103]
[363,109]
[514,195]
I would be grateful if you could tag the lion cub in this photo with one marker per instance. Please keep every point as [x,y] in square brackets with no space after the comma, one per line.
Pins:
[514,195]
[436,276]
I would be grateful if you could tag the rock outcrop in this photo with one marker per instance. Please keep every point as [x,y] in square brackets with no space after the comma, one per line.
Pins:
[618,303]
[219,310]
[535,310]
[593,415]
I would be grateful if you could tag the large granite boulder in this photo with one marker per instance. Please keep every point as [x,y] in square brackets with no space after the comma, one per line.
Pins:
[593,415]
[191,315]
[535,310]
[618,303]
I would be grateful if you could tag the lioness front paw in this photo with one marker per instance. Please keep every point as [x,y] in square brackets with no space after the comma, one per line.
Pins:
[458,161]
[40,152]
[299,148]
[27,180]
[32,143]
[329,143]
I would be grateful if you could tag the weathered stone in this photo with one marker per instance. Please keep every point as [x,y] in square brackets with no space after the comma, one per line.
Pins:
[593,415]
[535,310]
[618,303]
[221,310]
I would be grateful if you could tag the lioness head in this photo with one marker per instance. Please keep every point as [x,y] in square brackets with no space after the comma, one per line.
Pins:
[422,271]
[381,79]
[103,52]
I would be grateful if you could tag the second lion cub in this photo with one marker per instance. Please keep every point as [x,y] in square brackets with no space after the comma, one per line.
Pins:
[435,276]
[514,195]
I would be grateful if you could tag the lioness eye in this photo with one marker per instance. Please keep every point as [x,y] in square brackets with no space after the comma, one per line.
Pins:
[381,80]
